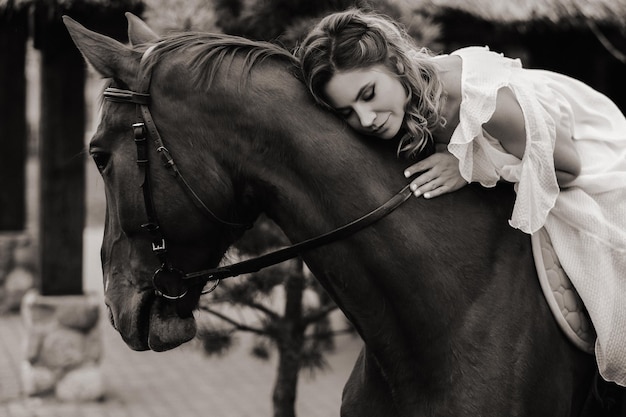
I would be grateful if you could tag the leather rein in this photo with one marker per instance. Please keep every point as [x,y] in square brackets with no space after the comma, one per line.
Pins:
[167,275]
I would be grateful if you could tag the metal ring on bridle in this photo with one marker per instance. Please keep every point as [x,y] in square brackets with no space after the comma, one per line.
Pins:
[159,284]
[170,297]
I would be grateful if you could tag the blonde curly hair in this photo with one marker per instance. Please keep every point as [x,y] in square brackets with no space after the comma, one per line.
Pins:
[355,39]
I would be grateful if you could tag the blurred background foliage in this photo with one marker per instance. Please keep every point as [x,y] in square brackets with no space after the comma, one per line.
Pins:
[282,21]
[585,39]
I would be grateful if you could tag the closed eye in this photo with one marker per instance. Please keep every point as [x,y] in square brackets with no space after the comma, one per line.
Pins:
[369,93]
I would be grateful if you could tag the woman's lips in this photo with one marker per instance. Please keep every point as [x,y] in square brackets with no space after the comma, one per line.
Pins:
[381,128]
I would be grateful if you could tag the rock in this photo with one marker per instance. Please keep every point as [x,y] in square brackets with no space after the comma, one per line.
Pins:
[81,384]
[80,316]
[37,380]
[62,348]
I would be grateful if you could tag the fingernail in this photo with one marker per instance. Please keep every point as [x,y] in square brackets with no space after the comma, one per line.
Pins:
[417,193]
[413,187]
[427,195]
[407,174]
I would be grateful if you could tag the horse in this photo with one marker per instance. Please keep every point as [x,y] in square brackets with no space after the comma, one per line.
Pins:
[443,292]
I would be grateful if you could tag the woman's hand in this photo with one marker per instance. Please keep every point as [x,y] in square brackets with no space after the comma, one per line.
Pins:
[438,174]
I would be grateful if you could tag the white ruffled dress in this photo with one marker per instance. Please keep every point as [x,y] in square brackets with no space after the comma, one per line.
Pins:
[586,221]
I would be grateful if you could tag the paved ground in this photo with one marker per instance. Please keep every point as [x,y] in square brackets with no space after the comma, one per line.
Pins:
[182,382]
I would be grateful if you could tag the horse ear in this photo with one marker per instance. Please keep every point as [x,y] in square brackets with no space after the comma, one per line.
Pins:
[108,57]
[138,31]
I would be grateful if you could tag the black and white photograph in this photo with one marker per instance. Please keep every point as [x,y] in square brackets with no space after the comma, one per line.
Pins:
[296,208]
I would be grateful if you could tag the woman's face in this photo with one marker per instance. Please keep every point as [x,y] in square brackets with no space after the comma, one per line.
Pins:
[370,99]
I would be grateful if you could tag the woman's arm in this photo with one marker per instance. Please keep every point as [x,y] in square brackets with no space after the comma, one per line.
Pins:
[566,158]
[507,125]
[439,173]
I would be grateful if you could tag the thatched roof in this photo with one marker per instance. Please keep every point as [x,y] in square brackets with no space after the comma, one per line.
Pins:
[14,4]
[559,12]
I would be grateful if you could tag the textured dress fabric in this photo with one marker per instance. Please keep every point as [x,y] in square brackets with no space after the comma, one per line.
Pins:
[585,221]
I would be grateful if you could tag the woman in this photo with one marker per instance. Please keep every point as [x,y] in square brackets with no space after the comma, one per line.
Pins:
[562,143]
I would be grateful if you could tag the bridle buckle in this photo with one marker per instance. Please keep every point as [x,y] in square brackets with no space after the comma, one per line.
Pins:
[158,246]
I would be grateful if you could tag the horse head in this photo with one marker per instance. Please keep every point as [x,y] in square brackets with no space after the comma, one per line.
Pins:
[128,250]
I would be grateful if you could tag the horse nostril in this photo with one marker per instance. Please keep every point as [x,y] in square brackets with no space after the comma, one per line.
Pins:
[111,319]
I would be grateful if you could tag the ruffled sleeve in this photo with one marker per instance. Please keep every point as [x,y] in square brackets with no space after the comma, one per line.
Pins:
[481,157]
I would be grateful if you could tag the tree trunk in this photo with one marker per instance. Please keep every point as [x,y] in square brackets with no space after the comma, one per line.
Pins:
[290,341]
[286,386]
[13,36]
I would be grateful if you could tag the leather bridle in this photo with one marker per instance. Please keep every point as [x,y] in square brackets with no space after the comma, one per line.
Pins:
[167,273]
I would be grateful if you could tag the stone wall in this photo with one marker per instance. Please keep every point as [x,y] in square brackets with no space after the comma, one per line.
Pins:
[63,348]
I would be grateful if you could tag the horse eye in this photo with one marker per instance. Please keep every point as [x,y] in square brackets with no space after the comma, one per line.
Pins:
[101,159]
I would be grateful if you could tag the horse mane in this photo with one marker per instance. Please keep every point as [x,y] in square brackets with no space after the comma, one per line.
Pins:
[209,51]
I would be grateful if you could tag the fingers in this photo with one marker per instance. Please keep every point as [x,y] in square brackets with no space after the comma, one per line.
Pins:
[429,189]
[437,191]
[435,187]
[421,166]
[420,185]
[435,182]
[436,175]
[437,162]
[427,182]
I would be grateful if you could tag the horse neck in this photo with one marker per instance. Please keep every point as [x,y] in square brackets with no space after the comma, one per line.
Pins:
[312,175]
[317,176]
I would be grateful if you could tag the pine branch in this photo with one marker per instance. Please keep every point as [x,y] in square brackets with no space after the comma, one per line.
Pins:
[258,306]
[237,325]
[318,314]
[330,333]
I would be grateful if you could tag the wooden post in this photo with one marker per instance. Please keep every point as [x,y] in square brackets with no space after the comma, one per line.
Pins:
[62,127]
[13,36]
[62,164]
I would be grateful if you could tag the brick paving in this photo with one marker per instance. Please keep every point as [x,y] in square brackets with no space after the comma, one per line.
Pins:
[182,382]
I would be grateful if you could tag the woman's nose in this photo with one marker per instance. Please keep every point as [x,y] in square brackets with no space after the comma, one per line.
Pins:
[366,116]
